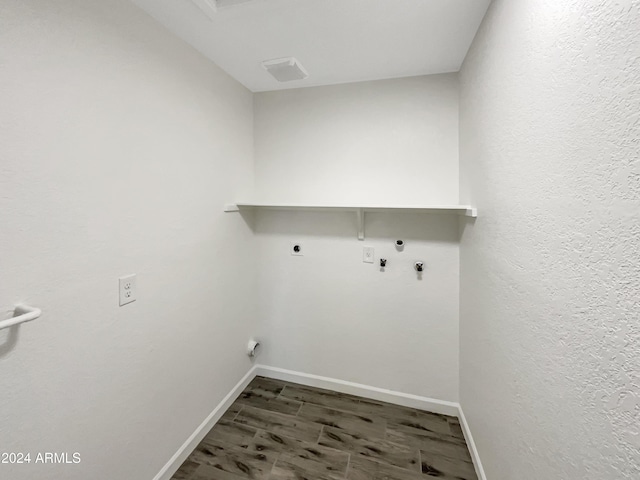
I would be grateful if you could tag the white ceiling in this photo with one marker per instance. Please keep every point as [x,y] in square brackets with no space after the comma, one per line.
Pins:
[337,41]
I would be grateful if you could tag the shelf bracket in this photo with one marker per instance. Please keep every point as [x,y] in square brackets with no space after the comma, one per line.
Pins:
[360,215]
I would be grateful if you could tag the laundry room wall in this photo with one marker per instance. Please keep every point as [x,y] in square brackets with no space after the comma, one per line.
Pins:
[120,145]
[327,313]
[550,270]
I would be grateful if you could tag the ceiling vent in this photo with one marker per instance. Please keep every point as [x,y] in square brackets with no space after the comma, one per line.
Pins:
[285,69]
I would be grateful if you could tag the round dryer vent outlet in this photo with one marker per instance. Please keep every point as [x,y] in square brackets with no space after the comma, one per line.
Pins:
[253,348]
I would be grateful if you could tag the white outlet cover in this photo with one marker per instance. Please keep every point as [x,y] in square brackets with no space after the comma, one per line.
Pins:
[128,289]
[368,254]
[300,251]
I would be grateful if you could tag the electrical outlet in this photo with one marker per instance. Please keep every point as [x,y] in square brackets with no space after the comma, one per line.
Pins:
[128,290]
[367,254]
[296,249]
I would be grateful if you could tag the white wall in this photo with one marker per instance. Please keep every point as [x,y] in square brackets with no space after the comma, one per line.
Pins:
[550,271]
[119,146]
[389,141]
[328,313]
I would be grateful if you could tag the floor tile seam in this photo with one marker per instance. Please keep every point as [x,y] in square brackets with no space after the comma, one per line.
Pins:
[266,429]
[450,430]
[455,440]
[389,416]
[420,445]
[398,418]
[269,432]
[280,396]
[399,446]
[346,472]
[386,464]
[272,412]
[324,391]
[421,438]
[271,472]
[381,461]
[471,466]
[402,445]
[337,396]
[255,435]
[237,413]
[382,418]
[386,425]
[360,400]
[351,412]
[371,433]
[337,450]
[248,403]
[449,457]
[401,409]
[343,410]
[442,441]
[350,451]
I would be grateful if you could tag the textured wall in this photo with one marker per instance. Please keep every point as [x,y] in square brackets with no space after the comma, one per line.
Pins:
[389,141]
[119,144]
[550,272]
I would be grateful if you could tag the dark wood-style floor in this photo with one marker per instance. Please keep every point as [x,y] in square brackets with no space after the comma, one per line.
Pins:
[278,430]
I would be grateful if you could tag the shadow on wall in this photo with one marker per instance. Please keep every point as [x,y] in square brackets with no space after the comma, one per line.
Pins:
[423,227]
[9,339]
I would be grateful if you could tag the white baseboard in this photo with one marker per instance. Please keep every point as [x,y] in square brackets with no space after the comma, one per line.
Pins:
[471,445]
[196,437]
[390,396]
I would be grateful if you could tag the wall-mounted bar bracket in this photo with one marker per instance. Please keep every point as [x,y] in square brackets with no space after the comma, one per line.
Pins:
[22,314]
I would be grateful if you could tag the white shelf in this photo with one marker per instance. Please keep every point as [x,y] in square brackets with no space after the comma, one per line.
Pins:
[467,210]
[360,210]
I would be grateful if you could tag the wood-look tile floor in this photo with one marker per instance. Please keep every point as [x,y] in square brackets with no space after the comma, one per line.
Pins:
[283,431]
